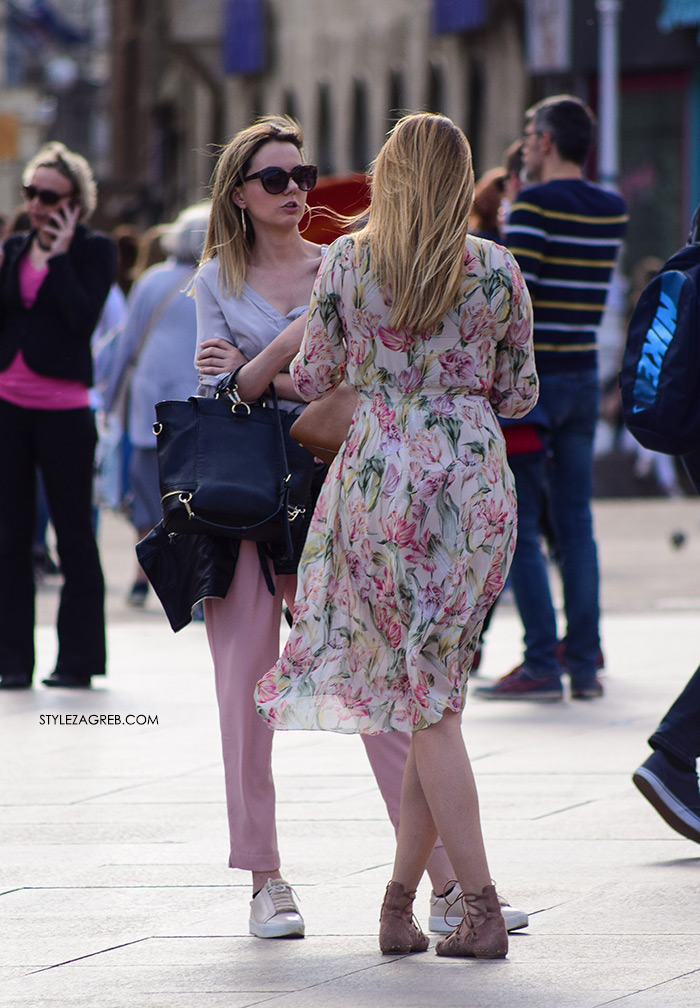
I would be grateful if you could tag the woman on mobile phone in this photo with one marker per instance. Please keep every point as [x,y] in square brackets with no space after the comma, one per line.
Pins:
[54,280]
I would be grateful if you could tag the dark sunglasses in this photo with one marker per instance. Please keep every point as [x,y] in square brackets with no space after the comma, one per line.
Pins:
[49,197]
[276,180]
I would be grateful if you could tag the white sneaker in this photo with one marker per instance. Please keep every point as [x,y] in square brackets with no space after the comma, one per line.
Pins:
[274,913]
[443,921]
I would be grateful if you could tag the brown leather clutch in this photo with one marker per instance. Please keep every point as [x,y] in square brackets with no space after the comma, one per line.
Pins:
[323,426]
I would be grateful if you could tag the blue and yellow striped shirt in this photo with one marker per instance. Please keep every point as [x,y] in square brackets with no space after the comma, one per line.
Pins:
[566,235]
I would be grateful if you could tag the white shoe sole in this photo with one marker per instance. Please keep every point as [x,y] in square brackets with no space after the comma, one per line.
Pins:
[678,817]
[284,930]
[515,920]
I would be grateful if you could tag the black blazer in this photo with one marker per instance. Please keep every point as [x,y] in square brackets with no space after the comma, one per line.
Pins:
[54,334]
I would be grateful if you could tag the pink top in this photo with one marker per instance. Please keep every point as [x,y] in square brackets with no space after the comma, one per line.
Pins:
[20,385]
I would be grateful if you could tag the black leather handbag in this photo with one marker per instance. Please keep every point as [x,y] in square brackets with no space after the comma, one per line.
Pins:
[229,468]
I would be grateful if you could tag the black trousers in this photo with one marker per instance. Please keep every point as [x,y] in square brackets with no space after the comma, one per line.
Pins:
[679,729]
[61,445]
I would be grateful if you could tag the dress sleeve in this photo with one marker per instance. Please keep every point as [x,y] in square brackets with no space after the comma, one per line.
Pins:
[320,364]
[515,386]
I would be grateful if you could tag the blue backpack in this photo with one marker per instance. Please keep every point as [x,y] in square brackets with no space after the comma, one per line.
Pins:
[660,375]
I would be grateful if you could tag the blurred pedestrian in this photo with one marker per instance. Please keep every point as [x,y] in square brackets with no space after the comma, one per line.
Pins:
[126,239]
[53,283]
[154,357]
[565,233]
[488,196]
[512,183]
[668,779]
[150,251]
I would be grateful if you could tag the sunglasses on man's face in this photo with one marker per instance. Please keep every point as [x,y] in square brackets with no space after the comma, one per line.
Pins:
[49,197]
[276,180]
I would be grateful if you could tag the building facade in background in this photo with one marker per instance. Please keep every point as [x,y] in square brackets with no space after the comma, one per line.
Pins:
[346,70]
[55,57]
[659,105]
[148,89]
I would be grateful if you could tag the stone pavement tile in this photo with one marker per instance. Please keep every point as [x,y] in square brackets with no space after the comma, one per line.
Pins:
[82,922]
[143,988]
[569,838]
[247,968]
[94,813]
[608,907]
[112,995]
[682,991]
[25,790]
[623,816]
[581,864]
[566,976]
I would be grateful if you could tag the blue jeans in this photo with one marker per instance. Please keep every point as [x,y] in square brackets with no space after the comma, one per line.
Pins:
[562,482]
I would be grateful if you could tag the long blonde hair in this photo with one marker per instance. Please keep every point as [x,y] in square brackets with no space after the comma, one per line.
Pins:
[226,239]
[422,192]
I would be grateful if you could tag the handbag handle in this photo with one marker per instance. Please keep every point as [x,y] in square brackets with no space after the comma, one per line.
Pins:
[228,387]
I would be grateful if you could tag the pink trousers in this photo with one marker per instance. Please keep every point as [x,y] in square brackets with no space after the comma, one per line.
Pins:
[243,633]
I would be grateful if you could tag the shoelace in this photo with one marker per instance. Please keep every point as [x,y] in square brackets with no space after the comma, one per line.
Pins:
[451,885]
[282,896]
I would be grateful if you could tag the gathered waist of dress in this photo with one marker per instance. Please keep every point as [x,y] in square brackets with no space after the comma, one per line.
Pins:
[414,411]
[420,394]
[435,400]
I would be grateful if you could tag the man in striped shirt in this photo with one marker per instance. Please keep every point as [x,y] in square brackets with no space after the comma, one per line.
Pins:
[565,233]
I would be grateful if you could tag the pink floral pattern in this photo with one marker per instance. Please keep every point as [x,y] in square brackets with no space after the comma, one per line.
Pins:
[414,529]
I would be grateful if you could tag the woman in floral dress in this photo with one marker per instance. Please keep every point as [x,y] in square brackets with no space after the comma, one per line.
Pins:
[415,527]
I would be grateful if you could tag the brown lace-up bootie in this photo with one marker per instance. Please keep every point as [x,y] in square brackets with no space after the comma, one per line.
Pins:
[482,932]
[398,929]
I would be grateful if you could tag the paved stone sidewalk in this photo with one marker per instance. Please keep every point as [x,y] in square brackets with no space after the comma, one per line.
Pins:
[113,885]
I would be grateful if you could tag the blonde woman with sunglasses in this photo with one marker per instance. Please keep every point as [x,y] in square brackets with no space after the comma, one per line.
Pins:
[255,279]
[413,532]
[54,280]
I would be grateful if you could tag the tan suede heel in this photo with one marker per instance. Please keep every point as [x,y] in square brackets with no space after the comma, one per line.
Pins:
[482,932]
[398,930]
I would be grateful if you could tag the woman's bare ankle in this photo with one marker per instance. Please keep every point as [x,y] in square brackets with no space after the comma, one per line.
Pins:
[260,878]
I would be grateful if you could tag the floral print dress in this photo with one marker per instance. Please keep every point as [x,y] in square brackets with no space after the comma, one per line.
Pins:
[414,530]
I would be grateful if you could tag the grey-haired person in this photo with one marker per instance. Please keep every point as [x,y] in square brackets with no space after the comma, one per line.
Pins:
[155,351]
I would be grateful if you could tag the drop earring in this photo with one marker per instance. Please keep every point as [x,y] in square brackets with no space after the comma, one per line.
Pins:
[243,222]
[307,210]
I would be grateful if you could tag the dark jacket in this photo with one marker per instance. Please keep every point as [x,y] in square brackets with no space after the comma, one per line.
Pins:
[54,334]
